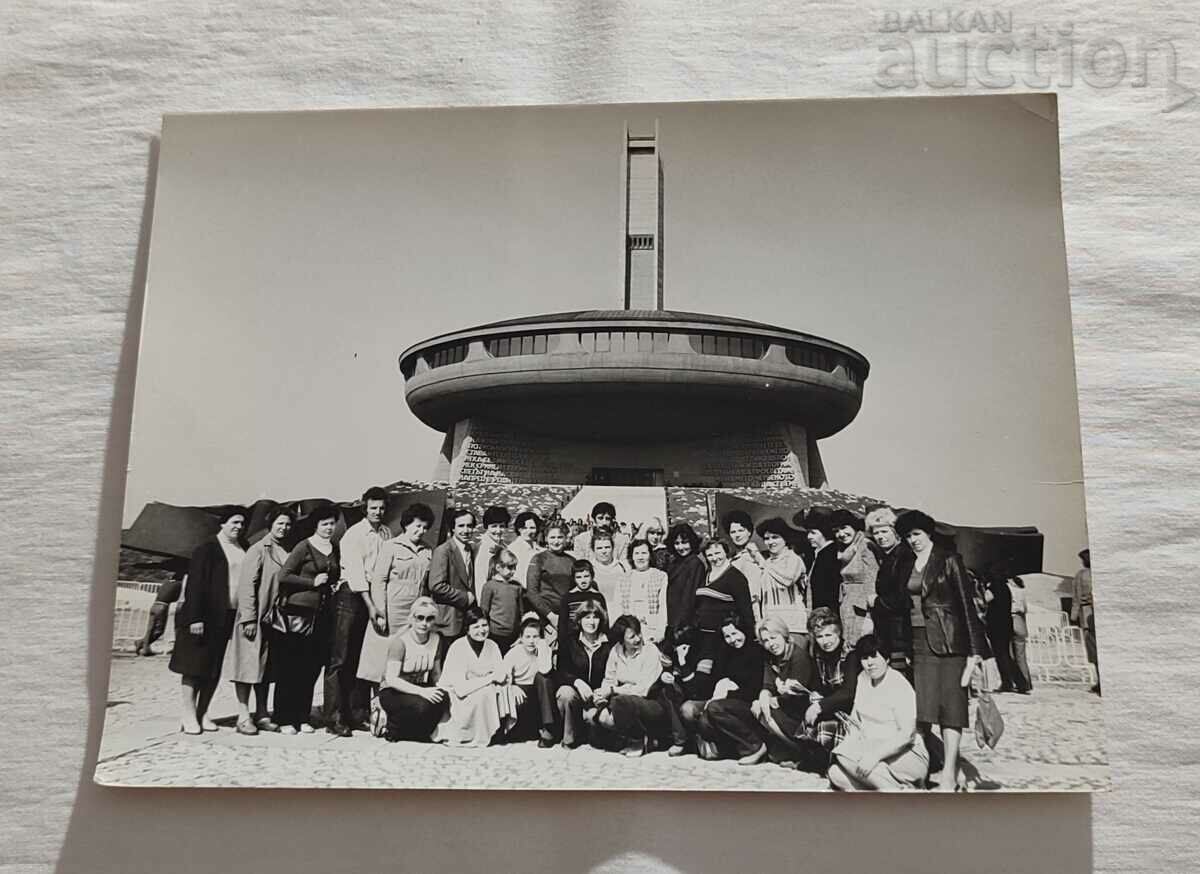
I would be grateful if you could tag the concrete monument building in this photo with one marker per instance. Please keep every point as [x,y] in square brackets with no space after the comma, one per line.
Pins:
[636,396]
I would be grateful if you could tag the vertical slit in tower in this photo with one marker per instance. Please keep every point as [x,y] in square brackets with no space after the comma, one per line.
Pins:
[643,222]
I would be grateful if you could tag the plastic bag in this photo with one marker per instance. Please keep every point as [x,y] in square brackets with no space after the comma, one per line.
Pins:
[989,724]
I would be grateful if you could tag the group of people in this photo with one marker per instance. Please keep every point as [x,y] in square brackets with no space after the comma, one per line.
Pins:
[839,659]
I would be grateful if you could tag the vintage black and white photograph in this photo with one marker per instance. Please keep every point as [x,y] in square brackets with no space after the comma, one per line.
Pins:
[695,446]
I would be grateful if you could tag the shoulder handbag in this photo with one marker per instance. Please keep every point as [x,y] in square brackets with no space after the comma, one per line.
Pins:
[295,613]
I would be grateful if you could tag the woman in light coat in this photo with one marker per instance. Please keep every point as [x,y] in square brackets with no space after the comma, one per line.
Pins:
[401,569]
[249,648]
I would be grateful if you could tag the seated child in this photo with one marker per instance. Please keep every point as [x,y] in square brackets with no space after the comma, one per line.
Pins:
[526,672]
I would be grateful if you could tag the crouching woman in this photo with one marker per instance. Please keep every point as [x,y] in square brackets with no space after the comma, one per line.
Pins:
[882,748]
[408,692]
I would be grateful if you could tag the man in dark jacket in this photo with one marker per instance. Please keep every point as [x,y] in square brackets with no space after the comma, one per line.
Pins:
[451,584]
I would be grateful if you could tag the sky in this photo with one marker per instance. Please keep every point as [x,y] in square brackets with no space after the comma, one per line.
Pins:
[295,255]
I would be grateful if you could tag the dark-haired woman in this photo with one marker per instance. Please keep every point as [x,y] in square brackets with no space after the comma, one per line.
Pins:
[858,568]
[744,554]
[297,654]
[528,526]
[205,618]
[948,638]
[549,576]
[249,649]
[472,673]
[772,723]
[825,575]
[737,677]
[724,589]
[882,749]
[644,593]
[582,663]
[625,708]
[781,588]
[685,574]
[998,623]
[400,571]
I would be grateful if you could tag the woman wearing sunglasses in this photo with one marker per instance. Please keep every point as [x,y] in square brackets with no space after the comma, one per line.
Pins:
[409,693]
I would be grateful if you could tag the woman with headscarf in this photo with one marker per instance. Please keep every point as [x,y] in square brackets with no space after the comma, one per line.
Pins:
[891,605]
[859,568]
[298,652]
[948,637]
[205,619]
[249,648]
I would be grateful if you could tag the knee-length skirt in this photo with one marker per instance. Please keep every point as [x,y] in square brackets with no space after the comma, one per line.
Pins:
[941,698]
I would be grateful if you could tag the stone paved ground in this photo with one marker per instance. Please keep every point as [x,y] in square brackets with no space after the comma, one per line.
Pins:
[1053,741]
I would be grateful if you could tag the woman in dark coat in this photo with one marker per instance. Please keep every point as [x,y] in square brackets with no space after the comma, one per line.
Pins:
[685,573]
[724,589]
[297,654]
[948,637]
[773,721]
[582,662]
[891,607]
[998,617]
[737,676]
[204,620]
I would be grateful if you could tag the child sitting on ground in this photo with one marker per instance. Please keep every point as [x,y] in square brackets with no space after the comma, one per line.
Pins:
[530,691]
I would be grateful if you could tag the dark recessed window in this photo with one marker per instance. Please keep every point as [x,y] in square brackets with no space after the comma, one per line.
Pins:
[521,344]
[452,353]
[728,345]
[810,356]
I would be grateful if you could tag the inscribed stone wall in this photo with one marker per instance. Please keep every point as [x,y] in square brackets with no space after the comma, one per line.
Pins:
[496,454]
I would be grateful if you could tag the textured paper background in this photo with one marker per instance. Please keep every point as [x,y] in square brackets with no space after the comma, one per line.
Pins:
[83,87]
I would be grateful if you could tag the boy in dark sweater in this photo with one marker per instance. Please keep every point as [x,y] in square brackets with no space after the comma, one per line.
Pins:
[584,574]
[502,600]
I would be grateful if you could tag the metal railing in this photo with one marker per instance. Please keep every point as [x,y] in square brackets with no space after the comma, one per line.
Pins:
[1056,650]
[131,615]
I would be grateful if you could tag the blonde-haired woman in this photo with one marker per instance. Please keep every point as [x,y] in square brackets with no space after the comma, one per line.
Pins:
[408,692]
